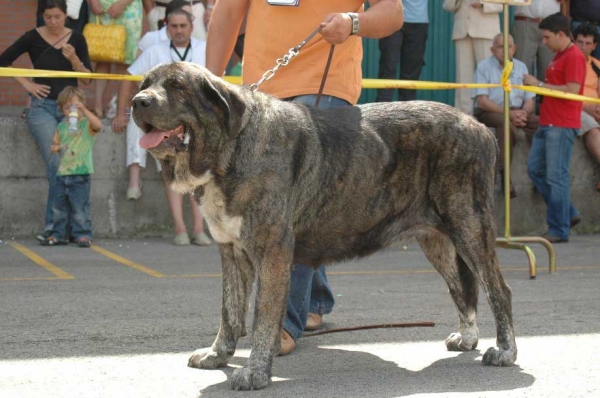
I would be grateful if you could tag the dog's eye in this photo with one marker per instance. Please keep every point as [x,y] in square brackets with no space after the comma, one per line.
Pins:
[177,85]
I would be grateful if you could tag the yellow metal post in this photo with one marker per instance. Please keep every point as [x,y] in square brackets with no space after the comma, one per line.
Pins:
[509,242]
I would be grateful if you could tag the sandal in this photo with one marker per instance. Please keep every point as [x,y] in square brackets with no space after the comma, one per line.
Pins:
[52,241]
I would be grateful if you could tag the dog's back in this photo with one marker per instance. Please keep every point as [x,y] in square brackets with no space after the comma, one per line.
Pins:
[371,174]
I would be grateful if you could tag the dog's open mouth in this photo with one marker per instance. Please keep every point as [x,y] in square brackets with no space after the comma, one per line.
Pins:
[177,138]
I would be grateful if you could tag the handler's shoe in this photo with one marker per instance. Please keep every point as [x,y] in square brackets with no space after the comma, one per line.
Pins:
[314,321]
[598,186]
[287,343]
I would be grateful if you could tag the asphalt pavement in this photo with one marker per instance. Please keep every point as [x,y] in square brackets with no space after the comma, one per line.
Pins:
[121,319]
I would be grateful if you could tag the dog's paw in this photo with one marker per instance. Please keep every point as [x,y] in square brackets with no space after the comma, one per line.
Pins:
[460,342]
[496,357]
[206,358]
[249,379]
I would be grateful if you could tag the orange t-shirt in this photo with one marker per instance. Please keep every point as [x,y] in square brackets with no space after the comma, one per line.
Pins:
[590,89]
[271,31]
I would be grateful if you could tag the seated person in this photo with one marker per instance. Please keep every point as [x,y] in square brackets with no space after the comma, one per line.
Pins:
[489,102]
[586,38]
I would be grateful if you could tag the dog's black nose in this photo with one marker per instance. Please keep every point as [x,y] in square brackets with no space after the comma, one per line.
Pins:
[142,100]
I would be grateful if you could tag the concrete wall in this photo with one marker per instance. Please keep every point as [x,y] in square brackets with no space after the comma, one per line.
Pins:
[23,189]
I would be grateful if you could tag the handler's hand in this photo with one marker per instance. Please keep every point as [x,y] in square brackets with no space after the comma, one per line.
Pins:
[336,28]
[119,123]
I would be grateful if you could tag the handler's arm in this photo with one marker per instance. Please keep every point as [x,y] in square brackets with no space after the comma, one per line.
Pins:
[223,28]
[383,18]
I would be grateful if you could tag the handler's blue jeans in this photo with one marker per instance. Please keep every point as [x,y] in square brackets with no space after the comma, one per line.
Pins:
[43,118]
[548,168]
[309,288]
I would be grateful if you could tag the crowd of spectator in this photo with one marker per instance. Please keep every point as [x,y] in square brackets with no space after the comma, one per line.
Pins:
[57,43]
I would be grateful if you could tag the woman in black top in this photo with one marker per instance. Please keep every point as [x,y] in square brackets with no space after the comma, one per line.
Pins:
[50,47]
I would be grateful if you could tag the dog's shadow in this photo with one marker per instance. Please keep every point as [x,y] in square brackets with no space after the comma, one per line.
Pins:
[333,372]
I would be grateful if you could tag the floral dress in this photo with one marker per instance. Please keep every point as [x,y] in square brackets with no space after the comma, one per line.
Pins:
[131,19]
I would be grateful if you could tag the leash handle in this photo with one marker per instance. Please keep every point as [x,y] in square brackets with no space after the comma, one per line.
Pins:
[324,76]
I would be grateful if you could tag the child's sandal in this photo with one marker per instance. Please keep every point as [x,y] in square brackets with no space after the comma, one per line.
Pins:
[52,241]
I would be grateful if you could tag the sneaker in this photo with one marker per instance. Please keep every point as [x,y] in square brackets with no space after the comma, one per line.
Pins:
[575,220]
[42,236]
[181,239]
[84,242]
[287,343]
[201,239]
[314,321]
[554,239]
[52,241]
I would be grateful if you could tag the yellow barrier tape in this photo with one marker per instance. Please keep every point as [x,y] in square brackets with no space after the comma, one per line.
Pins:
[557,94]
[419,84]
[366,83]
[18,72]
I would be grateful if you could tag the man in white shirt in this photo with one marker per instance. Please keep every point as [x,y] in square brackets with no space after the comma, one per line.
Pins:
[181,47]
[158,10]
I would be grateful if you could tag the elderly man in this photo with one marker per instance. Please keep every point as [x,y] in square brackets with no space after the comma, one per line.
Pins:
[489,102]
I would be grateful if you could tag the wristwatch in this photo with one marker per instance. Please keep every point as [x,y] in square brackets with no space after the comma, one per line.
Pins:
[354,17]
[540,84]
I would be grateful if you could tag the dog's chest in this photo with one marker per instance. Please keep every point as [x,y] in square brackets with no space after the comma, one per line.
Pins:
[223,228]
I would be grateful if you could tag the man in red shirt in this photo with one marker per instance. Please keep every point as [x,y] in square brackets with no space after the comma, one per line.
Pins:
[560,121]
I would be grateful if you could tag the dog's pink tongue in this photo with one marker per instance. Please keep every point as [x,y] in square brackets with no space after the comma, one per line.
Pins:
[153,138]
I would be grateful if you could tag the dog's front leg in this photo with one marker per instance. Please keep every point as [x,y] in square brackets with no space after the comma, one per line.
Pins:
[238,276]
[271,298]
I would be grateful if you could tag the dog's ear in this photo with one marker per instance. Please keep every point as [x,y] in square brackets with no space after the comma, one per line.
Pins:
[230,103]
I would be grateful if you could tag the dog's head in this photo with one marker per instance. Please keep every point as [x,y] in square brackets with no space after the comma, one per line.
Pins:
[187,116]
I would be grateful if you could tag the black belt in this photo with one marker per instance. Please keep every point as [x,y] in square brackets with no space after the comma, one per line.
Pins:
[164,5]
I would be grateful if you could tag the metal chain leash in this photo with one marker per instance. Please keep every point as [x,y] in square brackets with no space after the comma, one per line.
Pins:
[284,60]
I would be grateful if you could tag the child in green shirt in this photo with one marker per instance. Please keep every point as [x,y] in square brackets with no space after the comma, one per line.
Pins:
[74,141]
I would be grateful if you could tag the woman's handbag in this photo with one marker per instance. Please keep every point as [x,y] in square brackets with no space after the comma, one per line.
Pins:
[106,43]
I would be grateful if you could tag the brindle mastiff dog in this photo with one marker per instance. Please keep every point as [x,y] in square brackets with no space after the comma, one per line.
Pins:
[280,183]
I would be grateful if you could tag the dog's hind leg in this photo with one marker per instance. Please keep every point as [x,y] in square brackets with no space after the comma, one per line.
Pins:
[473,232]
[238,277]
[462,285]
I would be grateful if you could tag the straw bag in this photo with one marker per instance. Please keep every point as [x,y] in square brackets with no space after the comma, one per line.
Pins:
[106,43]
